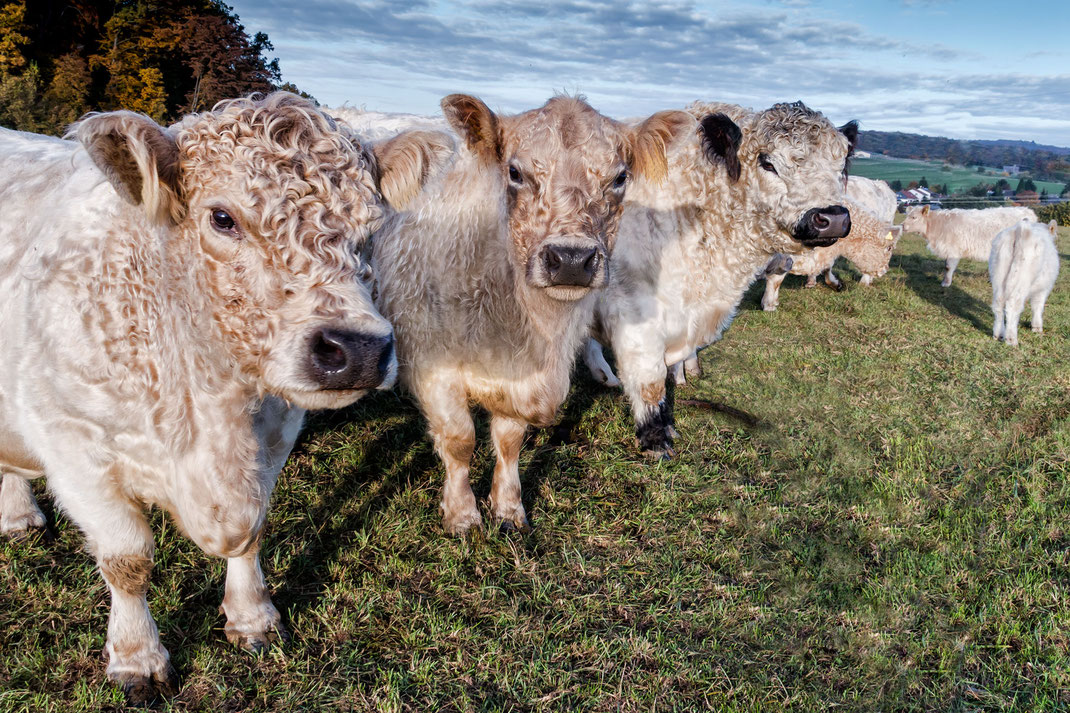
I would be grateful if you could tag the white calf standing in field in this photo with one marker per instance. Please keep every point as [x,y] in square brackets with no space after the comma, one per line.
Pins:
[962,233]
[1023,266]
[744,186]
[491,279]
[876,197]
[173,299]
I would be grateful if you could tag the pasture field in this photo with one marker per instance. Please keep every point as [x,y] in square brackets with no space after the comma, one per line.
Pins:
[958,177]
[893,536]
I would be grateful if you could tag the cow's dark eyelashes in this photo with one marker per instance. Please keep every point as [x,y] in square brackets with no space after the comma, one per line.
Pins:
[766,164]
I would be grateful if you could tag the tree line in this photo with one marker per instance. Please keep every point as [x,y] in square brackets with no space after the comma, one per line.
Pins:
[165,58]
[1045,163]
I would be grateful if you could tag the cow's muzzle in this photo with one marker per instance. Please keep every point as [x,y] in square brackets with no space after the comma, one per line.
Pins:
[568,267]
[346,360]
[820,227]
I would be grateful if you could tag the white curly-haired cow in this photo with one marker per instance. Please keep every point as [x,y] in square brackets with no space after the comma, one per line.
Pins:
[876,197]
[490,278]
[869,247]
[168,292]
[962,232]
[1023,266]
[745,186]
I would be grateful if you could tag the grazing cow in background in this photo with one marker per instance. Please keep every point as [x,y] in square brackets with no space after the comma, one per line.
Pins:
[869,247]
[876,197]
[167,290]
[1023,266]
[491,278]
[961,233]
[745,186]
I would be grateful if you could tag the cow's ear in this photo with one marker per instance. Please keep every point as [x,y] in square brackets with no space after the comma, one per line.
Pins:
[925,210]
[407,161]
[476,124]
[139,158]
[1053,228]
[652,140]
[721,138]
[850,130]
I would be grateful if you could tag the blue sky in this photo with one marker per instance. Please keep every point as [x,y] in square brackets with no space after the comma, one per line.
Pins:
[962,68]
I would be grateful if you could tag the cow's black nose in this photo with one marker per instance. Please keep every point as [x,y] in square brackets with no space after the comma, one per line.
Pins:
[823,226]
[342,359]
[571,265]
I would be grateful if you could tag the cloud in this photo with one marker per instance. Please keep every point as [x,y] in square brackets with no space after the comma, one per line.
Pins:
[628,57]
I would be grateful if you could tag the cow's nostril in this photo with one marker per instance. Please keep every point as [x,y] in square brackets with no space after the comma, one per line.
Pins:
[328,353]
[821,221]
[590,263]
[553,260]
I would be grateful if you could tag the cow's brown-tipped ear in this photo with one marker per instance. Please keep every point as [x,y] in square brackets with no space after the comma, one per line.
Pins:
[139,158]
[407,161]
[476,124]
[721,138]
[925,210]
[652,140]
[850,130]
[1053,228]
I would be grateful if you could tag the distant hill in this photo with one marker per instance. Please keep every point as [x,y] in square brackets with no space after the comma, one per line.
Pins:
[1051,163]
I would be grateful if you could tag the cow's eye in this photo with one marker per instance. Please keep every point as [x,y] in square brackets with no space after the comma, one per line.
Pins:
[766,164]
[515,176]
[222,221]
[621,179]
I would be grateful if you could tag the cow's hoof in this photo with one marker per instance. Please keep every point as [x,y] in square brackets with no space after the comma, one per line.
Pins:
[509,526]
[664,453]
[260,641]
[1037,330]
[458,524]
[769,308]
[31,533]
[838,286]
[145,691]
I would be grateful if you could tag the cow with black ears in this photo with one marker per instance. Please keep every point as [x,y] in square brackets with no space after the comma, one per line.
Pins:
[746,186]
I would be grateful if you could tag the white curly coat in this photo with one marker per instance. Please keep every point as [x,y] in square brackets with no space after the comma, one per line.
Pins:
[1023,265]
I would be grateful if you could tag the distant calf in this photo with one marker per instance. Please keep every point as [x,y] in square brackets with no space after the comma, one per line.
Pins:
[173,299]
[962,233]
[1023,266]
[869,247]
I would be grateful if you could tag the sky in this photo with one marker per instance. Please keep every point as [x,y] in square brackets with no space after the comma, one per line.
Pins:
[967,69]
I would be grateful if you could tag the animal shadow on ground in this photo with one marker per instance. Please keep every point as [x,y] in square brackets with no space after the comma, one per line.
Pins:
[923,277]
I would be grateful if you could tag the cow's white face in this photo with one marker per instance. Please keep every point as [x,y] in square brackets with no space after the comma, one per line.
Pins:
[277,204]
[917,220]
[792,163]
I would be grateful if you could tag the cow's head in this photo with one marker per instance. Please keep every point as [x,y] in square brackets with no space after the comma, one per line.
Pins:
[792,164]
[273,205]
[565,169]
[916,220]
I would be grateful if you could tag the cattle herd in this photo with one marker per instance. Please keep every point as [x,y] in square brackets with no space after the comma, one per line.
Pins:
[175,298]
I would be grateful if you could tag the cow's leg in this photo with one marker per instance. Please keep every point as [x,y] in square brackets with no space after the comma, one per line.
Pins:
[18,508]
[692,367]
[866,280]
[949,271]
[1037,300]
[508,436]
[832,281]
[677,372]
[595,360]
[454,434]
[811,281]
[119,536]
[771,297]
[652,410]
[253,622]
[997,322]
[1012,312]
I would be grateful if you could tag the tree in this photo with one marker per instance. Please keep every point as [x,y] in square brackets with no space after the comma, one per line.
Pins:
[12,38]
[1066,190]
[1025,184]
[923,183]
[897,185]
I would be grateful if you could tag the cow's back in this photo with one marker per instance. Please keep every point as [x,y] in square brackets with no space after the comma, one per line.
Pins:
[968,233]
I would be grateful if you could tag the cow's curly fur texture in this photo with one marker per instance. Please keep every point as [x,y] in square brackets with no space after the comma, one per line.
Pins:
[145,350]
[689,247]
[869,247]
[477,321]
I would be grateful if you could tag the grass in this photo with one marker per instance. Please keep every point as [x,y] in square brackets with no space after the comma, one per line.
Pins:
[957,178]
[895,537]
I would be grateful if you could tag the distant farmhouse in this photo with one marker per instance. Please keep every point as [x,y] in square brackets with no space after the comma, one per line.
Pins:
[1012,170]
[916,196]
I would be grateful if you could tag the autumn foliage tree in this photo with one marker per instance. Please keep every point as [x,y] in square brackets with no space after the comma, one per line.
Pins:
[164,58]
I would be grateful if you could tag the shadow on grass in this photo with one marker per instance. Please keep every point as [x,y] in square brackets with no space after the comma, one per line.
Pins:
[922,276]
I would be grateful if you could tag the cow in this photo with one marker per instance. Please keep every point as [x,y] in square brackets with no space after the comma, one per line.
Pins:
[874,196]
[745,186]
[1023,265]
[962,233]
[869,247]
[175,298]
[490,278]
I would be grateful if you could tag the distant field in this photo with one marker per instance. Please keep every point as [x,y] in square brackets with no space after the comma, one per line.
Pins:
[907,170]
